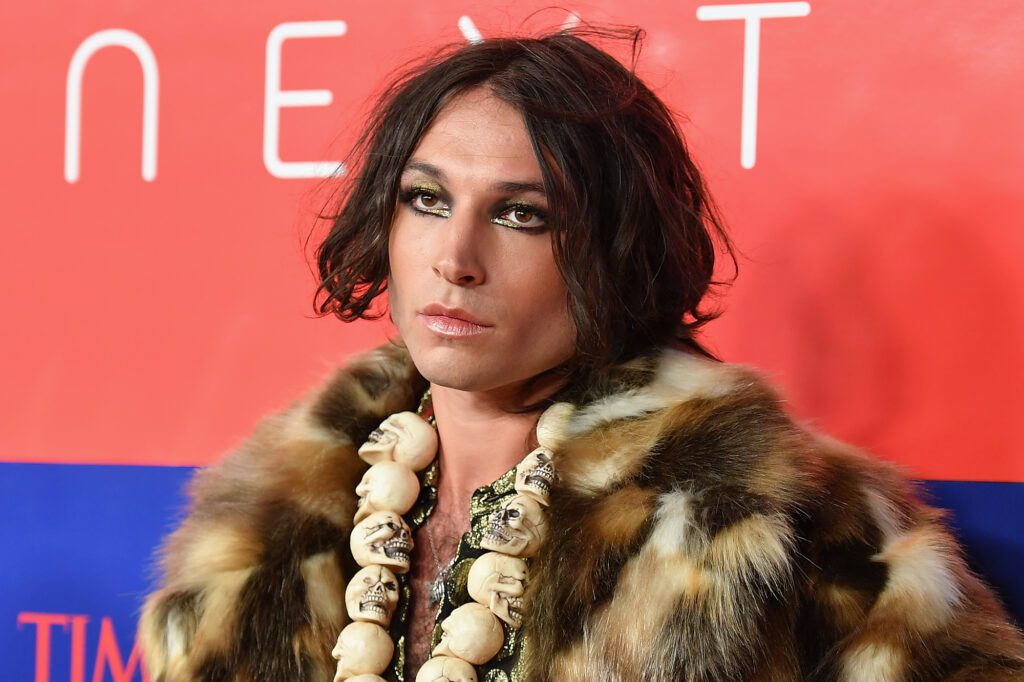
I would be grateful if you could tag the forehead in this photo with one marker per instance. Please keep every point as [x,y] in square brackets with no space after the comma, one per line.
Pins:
[477,136]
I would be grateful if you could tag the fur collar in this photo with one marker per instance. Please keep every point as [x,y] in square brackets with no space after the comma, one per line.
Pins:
[697,533]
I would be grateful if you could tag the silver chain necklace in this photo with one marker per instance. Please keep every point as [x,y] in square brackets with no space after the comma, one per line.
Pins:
[437,585]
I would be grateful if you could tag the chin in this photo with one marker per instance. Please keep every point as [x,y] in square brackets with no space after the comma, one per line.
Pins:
[454,376]
[463,369]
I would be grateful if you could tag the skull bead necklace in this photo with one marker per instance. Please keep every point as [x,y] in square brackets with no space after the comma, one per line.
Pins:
[381,543]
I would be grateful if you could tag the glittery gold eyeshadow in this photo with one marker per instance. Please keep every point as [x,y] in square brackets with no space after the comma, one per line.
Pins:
[426,187]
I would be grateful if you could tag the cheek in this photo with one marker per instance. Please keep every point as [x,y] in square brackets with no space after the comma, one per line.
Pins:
[542,294]
[402,263]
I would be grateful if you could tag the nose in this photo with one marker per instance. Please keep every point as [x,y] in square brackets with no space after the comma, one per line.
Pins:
[458,256]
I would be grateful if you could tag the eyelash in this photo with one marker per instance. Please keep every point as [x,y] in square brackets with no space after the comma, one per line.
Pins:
[408,195]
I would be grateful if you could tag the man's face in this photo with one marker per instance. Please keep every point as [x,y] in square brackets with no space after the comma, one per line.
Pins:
[459,241]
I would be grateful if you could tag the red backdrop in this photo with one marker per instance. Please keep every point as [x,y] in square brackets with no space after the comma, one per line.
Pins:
[153,321]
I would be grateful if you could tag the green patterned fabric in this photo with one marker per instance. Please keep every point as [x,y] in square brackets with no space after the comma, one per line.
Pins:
[508,664]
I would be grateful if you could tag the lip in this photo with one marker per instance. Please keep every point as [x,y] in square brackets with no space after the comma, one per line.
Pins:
[438,310]
[452,327]
[452,323]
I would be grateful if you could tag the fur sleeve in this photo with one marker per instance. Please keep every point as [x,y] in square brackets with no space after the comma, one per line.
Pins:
[716,539]
[894,596]
[252,583]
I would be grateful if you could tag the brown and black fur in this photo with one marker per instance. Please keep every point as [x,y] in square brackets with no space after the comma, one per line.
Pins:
[696,533]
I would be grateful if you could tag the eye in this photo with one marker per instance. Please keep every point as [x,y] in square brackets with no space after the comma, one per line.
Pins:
[524,217]
[429,200]
[422,200]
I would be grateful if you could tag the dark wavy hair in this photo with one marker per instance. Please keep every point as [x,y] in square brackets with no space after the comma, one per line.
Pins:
[633,225]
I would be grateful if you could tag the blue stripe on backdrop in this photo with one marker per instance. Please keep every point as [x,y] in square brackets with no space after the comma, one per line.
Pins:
[988,518]
[78,540]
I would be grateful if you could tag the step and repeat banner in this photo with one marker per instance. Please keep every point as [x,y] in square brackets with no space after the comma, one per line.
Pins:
[164,162]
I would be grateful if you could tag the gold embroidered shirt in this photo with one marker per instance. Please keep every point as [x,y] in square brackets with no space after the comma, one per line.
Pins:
[507,665]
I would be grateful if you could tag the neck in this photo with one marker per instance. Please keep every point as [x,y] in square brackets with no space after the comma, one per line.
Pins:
[479,439]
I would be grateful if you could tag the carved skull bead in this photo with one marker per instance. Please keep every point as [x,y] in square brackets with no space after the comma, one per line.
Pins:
[498,581]
[362,648]
[372,595]
[536,474]
[446,669]
[382,538]
[386,486]
[519,527]
[404,437]
[552,425]
[472,633]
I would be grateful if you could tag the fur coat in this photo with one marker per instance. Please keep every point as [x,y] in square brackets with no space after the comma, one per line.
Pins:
[696,533]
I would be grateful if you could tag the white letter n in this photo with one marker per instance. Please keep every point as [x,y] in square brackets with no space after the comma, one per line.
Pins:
[73,98]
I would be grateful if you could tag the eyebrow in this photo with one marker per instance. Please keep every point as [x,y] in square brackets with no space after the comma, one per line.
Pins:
[510,186]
